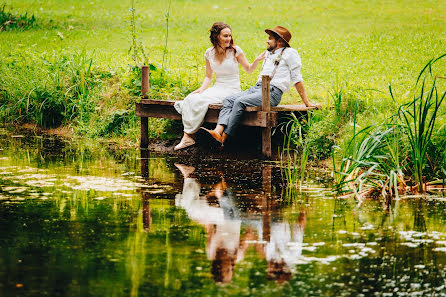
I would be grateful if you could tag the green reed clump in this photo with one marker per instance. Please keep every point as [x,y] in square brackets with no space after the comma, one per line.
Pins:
[390,157]
[10,21]
[418,118]
[295,150]
[49,89]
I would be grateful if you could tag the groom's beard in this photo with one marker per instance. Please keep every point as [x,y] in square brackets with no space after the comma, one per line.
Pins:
[270,48]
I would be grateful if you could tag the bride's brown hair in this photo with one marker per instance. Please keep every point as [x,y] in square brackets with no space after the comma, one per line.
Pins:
[220,52]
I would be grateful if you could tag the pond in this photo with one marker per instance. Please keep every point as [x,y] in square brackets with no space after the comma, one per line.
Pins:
[87,219]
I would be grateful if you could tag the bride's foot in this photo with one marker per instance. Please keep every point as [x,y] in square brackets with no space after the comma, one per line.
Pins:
[186,171]
[185,142]
[214,134]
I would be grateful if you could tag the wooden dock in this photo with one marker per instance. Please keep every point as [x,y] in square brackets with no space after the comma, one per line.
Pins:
[265,116]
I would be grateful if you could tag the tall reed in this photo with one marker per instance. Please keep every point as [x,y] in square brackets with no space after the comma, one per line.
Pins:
[373,159]
[167,16]
[418,119]
[295,149]
[136,49]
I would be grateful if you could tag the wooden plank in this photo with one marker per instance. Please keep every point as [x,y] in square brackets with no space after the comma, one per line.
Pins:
[158,102]
[300,107]
[283,108]
[157,111]
[253,119]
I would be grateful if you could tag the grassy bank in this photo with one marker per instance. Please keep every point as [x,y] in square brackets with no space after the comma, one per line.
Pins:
[73,67]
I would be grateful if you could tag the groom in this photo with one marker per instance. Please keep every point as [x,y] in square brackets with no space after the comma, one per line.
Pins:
[282,63]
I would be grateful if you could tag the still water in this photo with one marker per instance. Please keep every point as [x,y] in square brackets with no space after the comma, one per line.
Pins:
[88,219]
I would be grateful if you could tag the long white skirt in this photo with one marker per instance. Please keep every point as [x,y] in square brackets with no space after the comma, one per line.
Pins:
[194,107]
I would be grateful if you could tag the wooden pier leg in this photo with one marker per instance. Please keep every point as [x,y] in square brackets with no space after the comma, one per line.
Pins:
[144,163]
[144,133]
[144,121]
[266,107]
[146,217]
[266,202]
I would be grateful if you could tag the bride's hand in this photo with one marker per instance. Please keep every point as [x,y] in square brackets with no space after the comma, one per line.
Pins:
[197,91]
[261,56]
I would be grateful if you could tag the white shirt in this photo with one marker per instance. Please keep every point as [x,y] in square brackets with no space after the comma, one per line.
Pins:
[288,70]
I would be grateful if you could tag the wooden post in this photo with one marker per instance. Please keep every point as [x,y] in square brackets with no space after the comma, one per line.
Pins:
[266,202]
[144,120]
[266,108]
[144,163]
[146,217]
[144,81]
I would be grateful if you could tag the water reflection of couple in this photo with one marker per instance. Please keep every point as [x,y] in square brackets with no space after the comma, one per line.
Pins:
[278,242]
[282,64]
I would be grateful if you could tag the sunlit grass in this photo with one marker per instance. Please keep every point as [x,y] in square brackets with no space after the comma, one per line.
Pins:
[361,46]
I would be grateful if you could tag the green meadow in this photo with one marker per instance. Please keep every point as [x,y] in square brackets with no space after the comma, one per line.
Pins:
[76,66]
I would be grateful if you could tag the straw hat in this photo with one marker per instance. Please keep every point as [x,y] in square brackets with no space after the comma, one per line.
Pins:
[282,32]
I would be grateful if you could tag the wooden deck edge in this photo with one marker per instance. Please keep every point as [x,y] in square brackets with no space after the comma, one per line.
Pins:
[289,107]
[253,119]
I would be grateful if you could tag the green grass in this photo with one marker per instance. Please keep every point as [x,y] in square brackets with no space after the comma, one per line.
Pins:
[356,47]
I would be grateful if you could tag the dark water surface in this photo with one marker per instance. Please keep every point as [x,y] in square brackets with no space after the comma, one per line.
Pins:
[83,219]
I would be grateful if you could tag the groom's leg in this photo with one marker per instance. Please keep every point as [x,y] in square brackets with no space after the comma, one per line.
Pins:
[253,99]
[227,104]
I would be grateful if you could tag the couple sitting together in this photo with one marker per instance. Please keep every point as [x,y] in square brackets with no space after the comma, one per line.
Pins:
[281,62]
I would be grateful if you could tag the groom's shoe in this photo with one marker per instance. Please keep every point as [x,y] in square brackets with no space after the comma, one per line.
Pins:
[214,135]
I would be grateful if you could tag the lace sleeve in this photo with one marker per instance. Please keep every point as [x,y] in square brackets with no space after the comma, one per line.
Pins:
[238,50]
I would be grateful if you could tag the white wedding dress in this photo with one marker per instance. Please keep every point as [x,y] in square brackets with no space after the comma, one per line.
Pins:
[194,107]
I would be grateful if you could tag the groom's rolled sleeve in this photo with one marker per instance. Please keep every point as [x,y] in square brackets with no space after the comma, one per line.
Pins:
[294,63]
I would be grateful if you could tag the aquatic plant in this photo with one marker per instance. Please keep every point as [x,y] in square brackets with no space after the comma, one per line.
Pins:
[372,161]
[295,150]
[418,119]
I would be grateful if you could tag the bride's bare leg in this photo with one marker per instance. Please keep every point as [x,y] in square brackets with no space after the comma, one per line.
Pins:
[186,141]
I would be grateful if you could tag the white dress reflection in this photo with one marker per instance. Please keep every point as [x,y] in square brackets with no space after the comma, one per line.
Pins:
[284,249]
[222,223]
[280,243]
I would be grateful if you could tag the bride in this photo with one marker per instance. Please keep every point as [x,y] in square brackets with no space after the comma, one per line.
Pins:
[223,59]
